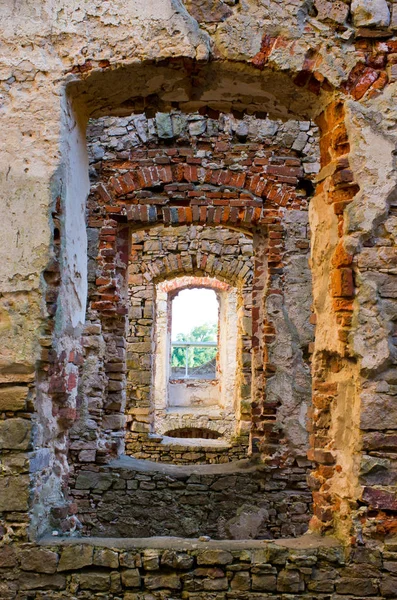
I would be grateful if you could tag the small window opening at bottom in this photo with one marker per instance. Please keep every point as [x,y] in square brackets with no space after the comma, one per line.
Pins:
[193,433]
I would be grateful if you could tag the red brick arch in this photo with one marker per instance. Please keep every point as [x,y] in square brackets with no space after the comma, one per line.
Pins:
[184,193]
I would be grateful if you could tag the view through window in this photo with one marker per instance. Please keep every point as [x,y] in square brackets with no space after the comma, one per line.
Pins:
[194,334]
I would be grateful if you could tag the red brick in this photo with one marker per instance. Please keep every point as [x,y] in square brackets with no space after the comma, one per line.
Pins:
[342,283]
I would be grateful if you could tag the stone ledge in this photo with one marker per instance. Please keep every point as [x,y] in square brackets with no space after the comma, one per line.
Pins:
[305,542]
[202,444]
[148,466]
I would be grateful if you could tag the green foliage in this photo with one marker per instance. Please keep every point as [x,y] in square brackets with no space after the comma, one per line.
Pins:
[197,356]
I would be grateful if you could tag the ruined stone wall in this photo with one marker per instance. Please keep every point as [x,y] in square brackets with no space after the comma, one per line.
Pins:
[62,63]
[243,220]
[143,167]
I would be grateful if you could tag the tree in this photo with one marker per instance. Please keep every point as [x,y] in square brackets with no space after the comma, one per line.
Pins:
[197,356]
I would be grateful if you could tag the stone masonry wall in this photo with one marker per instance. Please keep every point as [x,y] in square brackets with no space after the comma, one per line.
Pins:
[239,500]
[309,568]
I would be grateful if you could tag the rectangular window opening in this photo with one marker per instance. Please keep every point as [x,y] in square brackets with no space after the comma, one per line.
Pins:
[194,335]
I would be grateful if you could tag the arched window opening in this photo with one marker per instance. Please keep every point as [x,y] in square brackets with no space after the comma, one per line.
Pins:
[198,356]
[194,335]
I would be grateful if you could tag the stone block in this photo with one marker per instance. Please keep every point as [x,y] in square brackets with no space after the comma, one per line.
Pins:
[131,578]
[197,127]
[393,23]
[169,581]
[241,581]
[113,422]
[104,557]
[370,13]
[290,581]
[13,398]
[388,586]
[264,583]
[378,498]
[177,560]
[39,560]
[115,582]
[214,557]
[14,493]
[216,585]
[368,556]
[37,581]
[378,411]
[130,559]
[355,586]
[76,557]
[91,480]
[7,557]
[15,434]
[98,581]
[209,11]
[151,558]
[164,126]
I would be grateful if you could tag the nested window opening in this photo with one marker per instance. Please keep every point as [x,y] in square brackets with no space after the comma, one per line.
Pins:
[195,383]
[194,335]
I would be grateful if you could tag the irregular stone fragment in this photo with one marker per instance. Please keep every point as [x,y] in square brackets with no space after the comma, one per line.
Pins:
[151,560]
[247,523]
[208,11]
[370,13]
[332,11]
[164,125]
[39,460]
[377,471]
